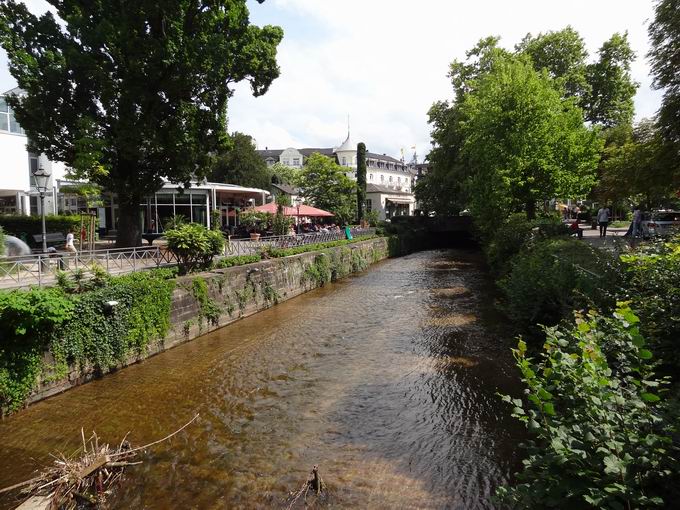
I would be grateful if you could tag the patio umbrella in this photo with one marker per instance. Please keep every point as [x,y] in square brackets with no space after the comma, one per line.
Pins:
[305,210]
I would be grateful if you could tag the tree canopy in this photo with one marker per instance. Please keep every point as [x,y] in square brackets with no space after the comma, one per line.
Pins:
[241,164]
[664,32]
[128,94]
[326,186]
[361,180]
[524,143]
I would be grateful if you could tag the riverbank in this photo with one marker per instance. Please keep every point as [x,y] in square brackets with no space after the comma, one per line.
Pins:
[203,302]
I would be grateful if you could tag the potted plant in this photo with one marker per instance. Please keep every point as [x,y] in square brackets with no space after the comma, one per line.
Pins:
[254,222]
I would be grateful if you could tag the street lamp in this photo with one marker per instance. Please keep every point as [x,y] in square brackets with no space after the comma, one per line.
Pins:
[298,201]
[42,177]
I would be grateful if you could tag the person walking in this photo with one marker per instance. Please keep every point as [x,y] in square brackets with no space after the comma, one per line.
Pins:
[69,241]
[637,222]
[603,220]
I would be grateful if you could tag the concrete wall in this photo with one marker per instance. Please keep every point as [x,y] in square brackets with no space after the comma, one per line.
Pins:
[239,291]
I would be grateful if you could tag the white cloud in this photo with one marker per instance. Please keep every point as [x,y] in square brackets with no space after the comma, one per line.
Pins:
[384,62]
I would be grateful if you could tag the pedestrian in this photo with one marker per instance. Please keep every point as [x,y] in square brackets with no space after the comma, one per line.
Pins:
[637,222]
[69,241]
[603,220]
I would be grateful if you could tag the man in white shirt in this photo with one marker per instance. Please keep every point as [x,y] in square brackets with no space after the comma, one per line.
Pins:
[603,220]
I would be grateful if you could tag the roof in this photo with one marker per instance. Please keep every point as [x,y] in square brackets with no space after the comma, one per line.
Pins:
[376,188]
[347,145]
[309,151]
[383,157]
[266,154]
[16,90]
[217,186]
[287,188]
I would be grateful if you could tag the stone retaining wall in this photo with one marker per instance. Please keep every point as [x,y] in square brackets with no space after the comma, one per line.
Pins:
[237,292]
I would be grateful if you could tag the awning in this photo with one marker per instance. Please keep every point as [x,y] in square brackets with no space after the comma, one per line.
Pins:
[400,200]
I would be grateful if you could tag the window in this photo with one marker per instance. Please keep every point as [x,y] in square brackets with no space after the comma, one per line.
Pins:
[382,178]
[370,177]
[390,178]
[7,120]
[369,205]
[344,161]
[399,180]
[286,162]
[296,161]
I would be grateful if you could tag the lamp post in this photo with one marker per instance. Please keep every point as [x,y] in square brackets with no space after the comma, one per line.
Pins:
[298,201]
[42,177]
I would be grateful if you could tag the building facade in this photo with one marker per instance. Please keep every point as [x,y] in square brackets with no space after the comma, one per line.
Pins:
[390,179]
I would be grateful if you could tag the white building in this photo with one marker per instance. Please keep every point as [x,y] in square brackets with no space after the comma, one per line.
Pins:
[18,194]
[391,180]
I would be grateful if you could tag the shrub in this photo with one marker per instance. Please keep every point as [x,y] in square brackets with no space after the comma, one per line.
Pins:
[194,246]
[240,260]
[26,226]
[255,220]
[552,277]
[594,408]
[653,286]
[372,217]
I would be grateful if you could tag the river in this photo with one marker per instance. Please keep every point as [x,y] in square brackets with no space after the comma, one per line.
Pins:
[387,380]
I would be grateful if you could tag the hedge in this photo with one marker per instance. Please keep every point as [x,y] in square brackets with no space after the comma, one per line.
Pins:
[27,226]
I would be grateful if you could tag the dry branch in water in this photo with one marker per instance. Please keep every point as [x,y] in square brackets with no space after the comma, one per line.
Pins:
[87,477]
[314,483]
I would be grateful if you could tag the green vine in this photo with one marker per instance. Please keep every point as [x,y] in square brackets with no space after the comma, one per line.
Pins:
[207,308]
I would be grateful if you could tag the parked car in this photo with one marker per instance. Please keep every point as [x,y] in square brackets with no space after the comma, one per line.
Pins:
[660,223]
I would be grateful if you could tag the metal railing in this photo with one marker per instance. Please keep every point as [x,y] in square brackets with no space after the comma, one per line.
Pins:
[42,269]
[236,247]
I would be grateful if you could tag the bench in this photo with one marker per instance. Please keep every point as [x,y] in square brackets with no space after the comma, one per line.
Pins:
[52,239]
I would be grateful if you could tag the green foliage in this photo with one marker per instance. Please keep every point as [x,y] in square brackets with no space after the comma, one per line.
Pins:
[361,180]
[593,406]
[284,174]
[207,307]
[29,319]
[372,217]
[276,253]
[269,294]
[326,186]
[524,142]
[653,286]
[78,328]
[664,34]
[239,260]
[320,272]
[194,246]
[241,164]
[550,278]
[141,89]
[255,221]
[507,241]
[18,225]
[280,223]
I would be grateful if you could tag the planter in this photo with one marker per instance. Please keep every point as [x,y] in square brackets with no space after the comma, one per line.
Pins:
[254,236]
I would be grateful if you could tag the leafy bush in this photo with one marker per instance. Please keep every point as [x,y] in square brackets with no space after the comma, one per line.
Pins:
[240,260]
[194,246]
[27,226]
[281,224]
[255,221]
[653,286]
[275,253]
[593,405]
[552,277]
[372,217]
[29,319]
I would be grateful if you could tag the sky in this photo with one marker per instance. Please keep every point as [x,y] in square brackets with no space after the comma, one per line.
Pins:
[382,63]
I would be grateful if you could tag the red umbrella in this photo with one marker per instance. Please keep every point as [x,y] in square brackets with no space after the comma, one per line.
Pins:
[305,210]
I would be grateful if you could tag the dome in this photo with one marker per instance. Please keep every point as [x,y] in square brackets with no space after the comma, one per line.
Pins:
[347,145]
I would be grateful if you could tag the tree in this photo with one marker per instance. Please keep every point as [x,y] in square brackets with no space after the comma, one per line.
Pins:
[326,186]
[241,164]
[284,174]
[664,32]
[638,169]
[361,180]
[524,142]
[563,54]
[130,93]
[610,99]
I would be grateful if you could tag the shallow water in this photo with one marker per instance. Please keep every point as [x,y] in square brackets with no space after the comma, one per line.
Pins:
[386,380]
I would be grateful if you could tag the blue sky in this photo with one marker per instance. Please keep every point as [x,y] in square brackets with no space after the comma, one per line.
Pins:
[384,62]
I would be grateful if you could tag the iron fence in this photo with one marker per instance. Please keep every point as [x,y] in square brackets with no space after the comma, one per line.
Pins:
[236,247]
[42,269]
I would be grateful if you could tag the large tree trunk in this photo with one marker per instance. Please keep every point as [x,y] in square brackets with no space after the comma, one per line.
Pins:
[531,209]
[129,224]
